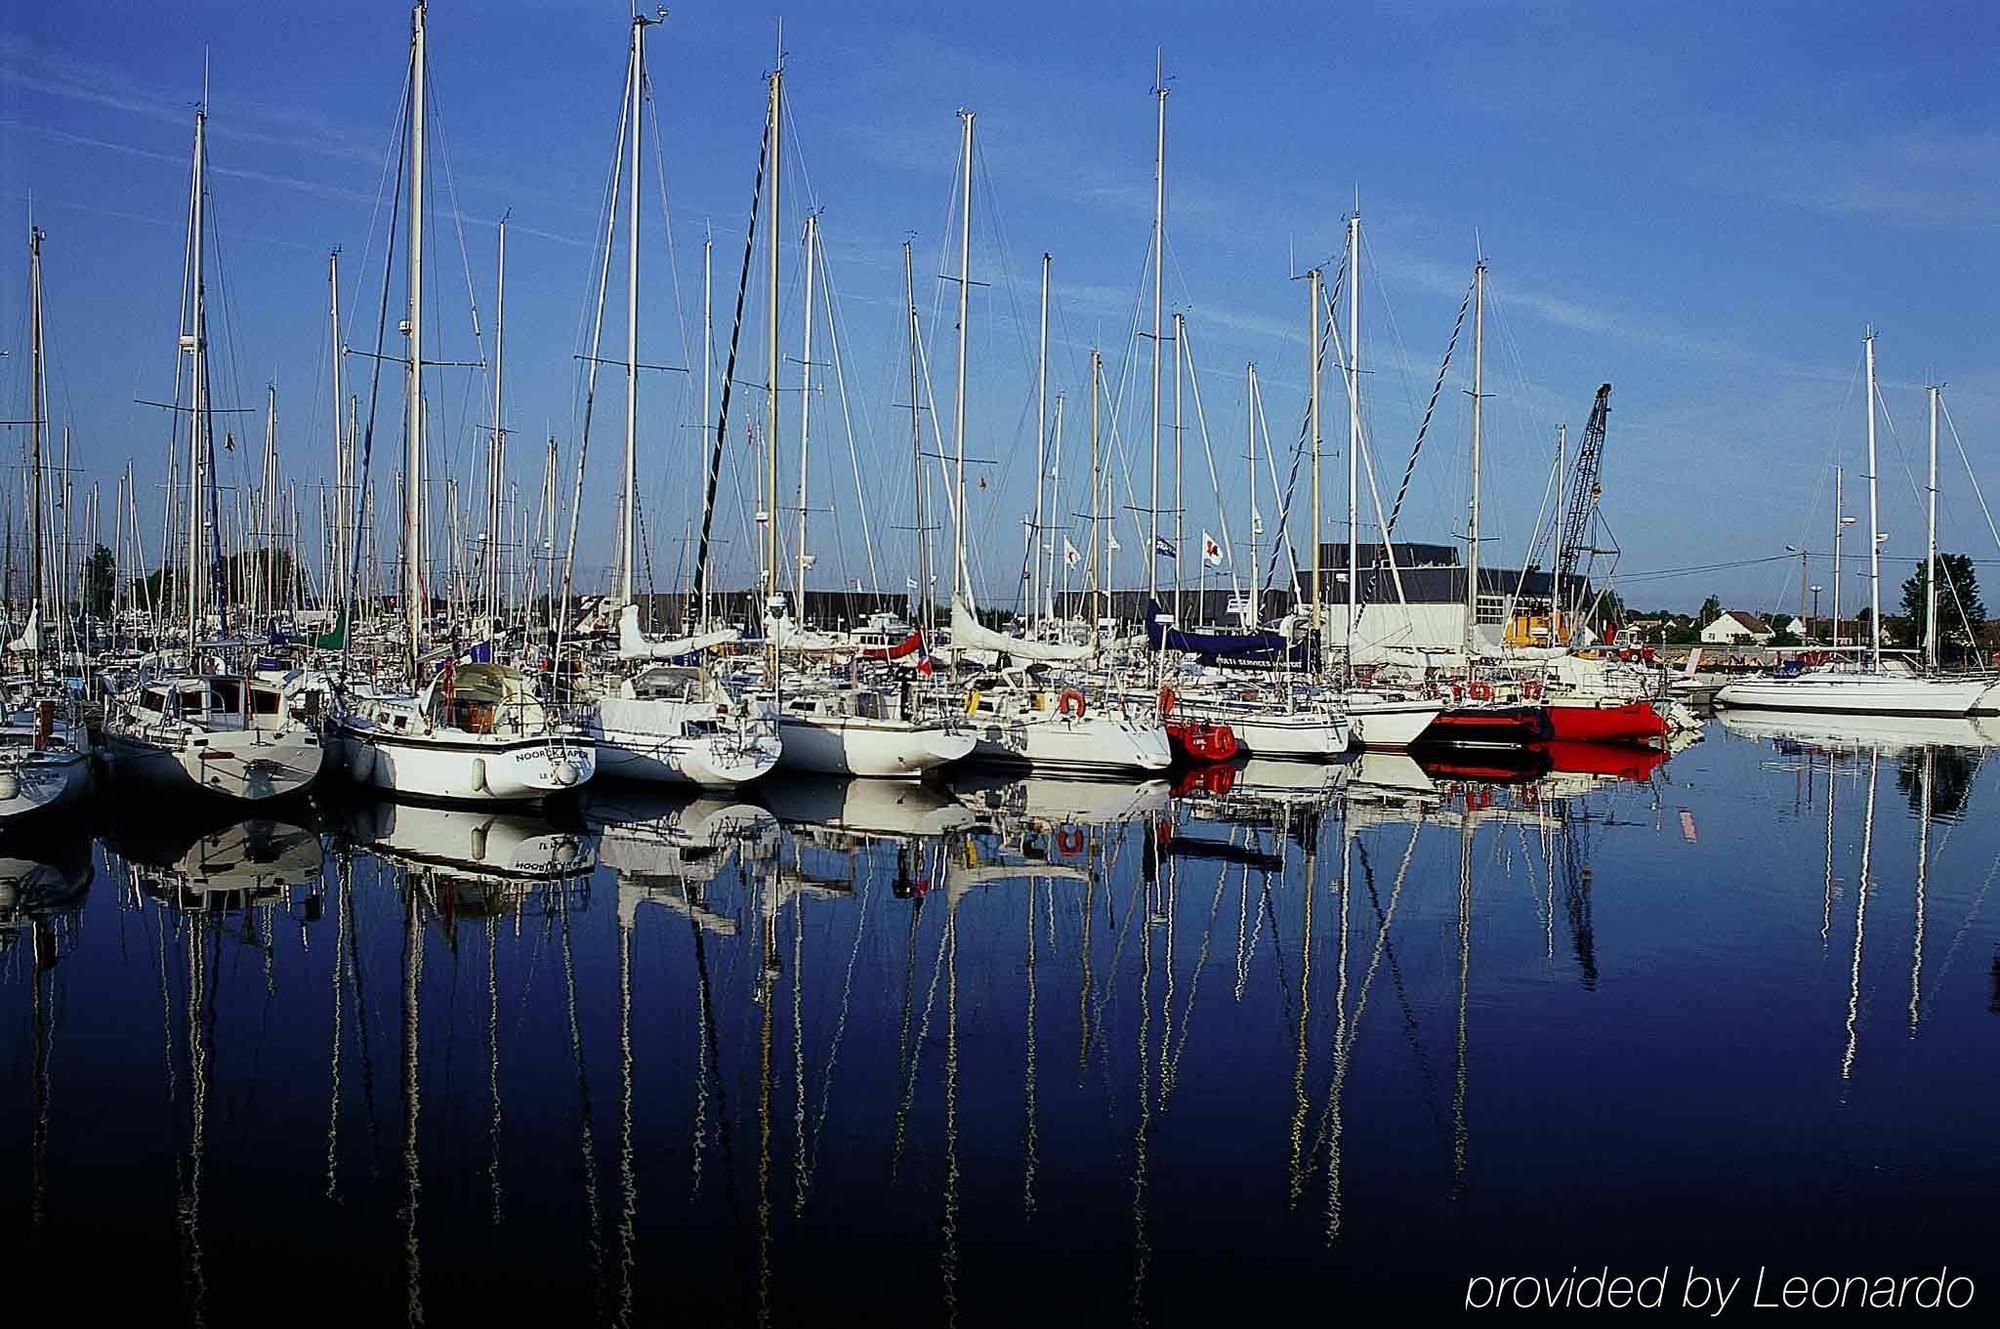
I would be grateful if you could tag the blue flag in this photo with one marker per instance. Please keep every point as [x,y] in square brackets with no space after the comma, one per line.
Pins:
[1162,548]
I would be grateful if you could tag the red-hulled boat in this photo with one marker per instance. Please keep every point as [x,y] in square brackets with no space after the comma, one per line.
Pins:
[1201,741]
[1497,725]
[1582,720]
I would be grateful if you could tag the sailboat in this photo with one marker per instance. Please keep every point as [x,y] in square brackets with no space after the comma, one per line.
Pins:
[659,720]
[45,755]
[478,732]
[1879,687]
[219,734]
[830,726]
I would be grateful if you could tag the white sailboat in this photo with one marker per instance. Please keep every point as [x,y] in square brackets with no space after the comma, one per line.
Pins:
[657,721]
[45,755]
[197,732]
[475,732]
[832,726]
[1880,687]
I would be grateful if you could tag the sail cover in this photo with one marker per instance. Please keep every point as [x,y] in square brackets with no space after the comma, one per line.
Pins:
[968,634]
[635,645]
[1210,645]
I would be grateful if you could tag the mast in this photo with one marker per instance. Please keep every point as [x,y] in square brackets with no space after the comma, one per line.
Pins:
[1930,551]
[923,602]
[1097,563]
[37,422]
[1839,528]
[1353,433]
[1055,511]
[811,246]
[1874,523]
[1478,402]
[1558,616]
[1312,412]
[413,406]
[339,558]
[1256,528]
[1180,488]
[496,452]
[193,343]
[1036,536]
[958,391]
[1159,215]
[774,111]
[634,91]
[700,616]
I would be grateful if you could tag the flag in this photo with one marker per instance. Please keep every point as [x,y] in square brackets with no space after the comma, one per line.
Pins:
[1111,542]
[924,665]
[1211,552]
[807,560]
[1164,548]
[1070,555]
[912,582]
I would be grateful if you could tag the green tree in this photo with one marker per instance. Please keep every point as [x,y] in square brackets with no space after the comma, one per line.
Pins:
[1711,609]
[100,576]
[1960,613]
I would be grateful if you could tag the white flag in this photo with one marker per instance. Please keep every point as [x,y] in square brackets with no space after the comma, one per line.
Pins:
[1211,552]
[1070,555]
[1111,542]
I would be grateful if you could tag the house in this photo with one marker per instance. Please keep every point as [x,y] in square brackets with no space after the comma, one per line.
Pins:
[1737,628]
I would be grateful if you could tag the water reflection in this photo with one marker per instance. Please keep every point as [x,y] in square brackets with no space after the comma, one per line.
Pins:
[986,1026]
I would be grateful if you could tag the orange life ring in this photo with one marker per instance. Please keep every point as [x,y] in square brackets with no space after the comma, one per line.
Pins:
[1531,690]
[1167,699]
[1070,698]
[1069,840]
[1480,691]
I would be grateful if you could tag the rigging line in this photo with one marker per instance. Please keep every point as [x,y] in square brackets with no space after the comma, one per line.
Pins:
[1430,409]
[1282,538]
[674,273]
[728,380]
[847,420]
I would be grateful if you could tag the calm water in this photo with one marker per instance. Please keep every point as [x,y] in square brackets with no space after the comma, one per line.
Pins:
[891,1056]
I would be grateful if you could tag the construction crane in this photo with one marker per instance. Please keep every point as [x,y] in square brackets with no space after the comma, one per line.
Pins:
[1584,491]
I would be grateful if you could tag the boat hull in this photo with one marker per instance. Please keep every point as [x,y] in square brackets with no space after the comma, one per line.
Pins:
[1087,744]
[1489,726]
[1389,723]
[43,785]
[468,769]
[246,766]
[1864,694]
[643,739]
[1619,722]
[853,745]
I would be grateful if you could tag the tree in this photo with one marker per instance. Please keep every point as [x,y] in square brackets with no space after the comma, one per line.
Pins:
[100,576]
[1711,609]
[1960,613]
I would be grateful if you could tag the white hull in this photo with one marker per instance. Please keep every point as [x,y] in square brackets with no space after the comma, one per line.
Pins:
[1302,736]
[1092,743]
[459,767]
[852,745]
[39,784]
[649,739]
[1385,722]
[1865,694]
[249,765]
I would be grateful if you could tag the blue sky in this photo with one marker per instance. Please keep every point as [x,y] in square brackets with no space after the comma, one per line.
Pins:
[1702,204]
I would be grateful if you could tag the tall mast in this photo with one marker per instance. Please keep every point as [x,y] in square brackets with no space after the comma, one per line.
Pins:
[1159,216]
[1930,547]
[1353,433]
[923,596]
[1839,530]
[811,247]
[194,343]
[958,391]
[338,560]
[1558,614]
[37,422]
[700,617]
[496,453]
[774,111]
[1180,488]
[1256,526]
[1036,535]
[635,90]
[269,499]
[1478,402]
[1874,522]
[413,405]
[1312,412]
[1055,513]
[1098,555]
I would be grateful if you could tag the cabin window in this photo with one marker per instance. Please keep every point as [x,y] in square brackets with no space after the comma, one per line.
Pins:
[225,693]
[265,703]
[154,699]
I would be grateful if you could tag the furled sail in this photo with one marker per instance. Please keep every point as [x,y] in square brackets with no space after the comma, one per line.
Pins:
[1210,645]
[968,634]
[635,645]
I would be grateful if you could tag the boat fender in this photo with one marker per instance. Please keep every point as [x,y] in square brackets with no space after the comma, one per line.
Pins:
[567,774]
[1480,691]
[1167,699]
[972,701]
[1069,840]
[10,784]
[1070,703]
